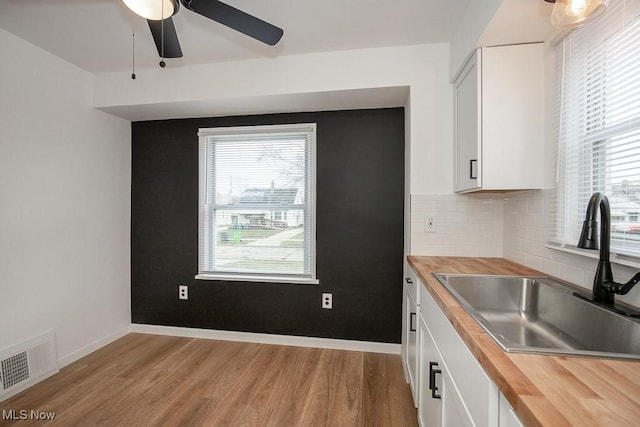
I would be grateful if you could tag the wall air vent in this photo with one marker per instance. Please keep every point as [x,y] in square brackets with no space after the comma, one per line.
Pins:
[14,370]
[26,364]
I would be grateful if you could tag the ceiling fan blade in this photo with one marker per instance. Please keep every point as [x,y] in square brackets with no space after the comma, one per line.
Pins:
[236,19]
[171,44]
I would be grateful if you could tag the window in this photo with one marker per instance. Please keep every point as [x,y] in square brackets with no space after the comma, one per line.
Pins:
[599,125]
[257,203]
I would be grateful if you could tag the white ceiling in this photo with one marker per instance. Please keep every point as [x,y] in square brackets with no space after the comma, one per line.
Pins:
[97,34]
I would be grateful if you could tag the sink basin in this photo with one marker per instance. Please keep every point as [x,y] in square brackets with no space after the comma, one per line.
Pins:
[543,315]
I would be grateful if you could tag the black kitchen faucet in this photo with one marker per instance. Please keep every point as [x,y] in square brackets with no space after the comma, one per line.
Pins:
[604,287]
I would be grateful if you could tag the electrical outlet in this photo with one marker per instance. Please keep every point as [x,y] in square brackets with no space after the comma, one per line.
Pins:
[183,292]
[327,301]
[430,224]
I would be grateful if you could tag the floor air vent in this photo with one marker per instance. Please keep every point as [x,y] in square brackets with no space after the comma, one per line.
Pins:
[25,364]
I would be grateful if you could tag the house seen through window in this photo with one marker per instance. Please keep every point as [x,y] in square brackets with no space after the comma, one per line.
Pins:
[257,203]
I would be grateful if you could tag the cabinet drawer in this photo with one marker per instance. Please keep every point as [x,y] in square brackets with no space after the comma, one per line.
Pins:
[479,394]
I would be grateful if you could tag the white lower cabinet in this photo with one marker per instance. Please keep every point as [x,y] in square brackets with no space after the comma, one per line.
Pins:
[412,346]
[410,338]
[440,401]
[430,383]
[451,388]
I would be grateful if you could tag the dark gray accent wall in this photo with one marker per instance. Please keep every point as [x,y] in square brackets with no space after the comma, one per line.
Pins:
[360,191]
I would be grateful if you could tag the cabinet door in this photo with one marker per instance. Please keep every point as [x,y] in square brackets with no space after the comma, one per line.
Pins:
[512,116]
[467,390]
[405,333]
[468,160]
[412,345]
[455,413]
[430,406]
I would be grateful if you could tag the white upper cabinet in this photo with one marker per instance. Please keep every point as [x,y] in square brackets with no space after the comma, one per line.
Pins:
[499,119]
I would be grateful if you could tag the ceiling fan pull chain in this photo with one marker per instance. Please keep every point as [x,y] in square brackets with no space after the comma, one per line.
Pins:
[133,47]
[162,63]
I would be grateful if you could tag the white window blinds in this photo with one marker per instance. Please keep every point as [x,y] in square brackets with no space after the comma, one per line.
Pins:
[257,194]
[598,94]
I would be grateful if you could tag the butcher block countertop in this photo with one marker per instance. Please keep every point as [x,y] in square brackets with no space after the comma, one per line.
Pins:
[544,390]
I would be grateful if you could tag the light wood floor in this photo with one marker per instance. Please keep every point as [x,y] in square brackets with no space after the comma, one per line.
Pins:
[143,380]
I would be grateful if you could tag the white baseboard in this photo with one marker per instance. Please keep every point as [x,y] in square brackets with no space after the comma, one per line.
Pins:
[96,345]
[295,341]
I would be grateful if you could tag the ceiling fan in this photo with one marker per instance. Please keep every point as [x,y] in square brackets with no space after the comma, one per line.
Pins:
[158,14]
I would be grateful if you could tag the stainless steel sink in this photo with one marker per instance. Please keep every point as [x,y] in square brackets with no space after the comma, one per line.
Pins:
[542,315]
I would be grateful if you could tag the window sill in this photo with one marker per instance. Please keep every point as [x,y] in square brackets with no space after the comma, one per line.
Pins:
[626,260]
[258,279]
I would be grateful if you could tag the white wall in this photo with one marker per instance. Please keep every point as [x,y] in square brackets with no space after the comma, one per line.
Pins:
[365,78]
[65,173]
[475,19]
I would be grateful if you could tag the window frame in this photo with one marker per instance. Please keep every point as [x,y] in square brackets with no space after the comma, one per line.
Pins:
[206,138]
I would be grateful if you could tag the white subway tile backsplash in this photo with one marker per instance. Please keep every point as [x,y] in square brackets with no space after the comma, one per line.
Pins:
[456,218]
[466,225]
[549,267]
[491,208]
[481,218]
[422,206]
[530,233]
[469,251]
[449,206]
[466,206]
[450,227]
[535,205]
[527,246]
[514,218]
[460,240]
[530,218]
[540,249]
[571,273]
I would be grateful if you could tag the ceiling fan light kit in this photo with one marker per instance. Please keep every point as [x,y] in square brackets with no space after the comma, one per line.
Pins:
[568,14]
[154,10]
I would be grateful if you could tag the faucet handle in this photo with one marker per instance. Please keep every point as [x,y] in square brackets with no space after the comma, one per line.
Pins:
[622,288]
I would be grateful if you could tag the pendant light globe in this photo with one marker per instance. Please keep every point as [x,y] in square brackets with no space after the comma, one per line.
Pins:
[569,14]
[154,10]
